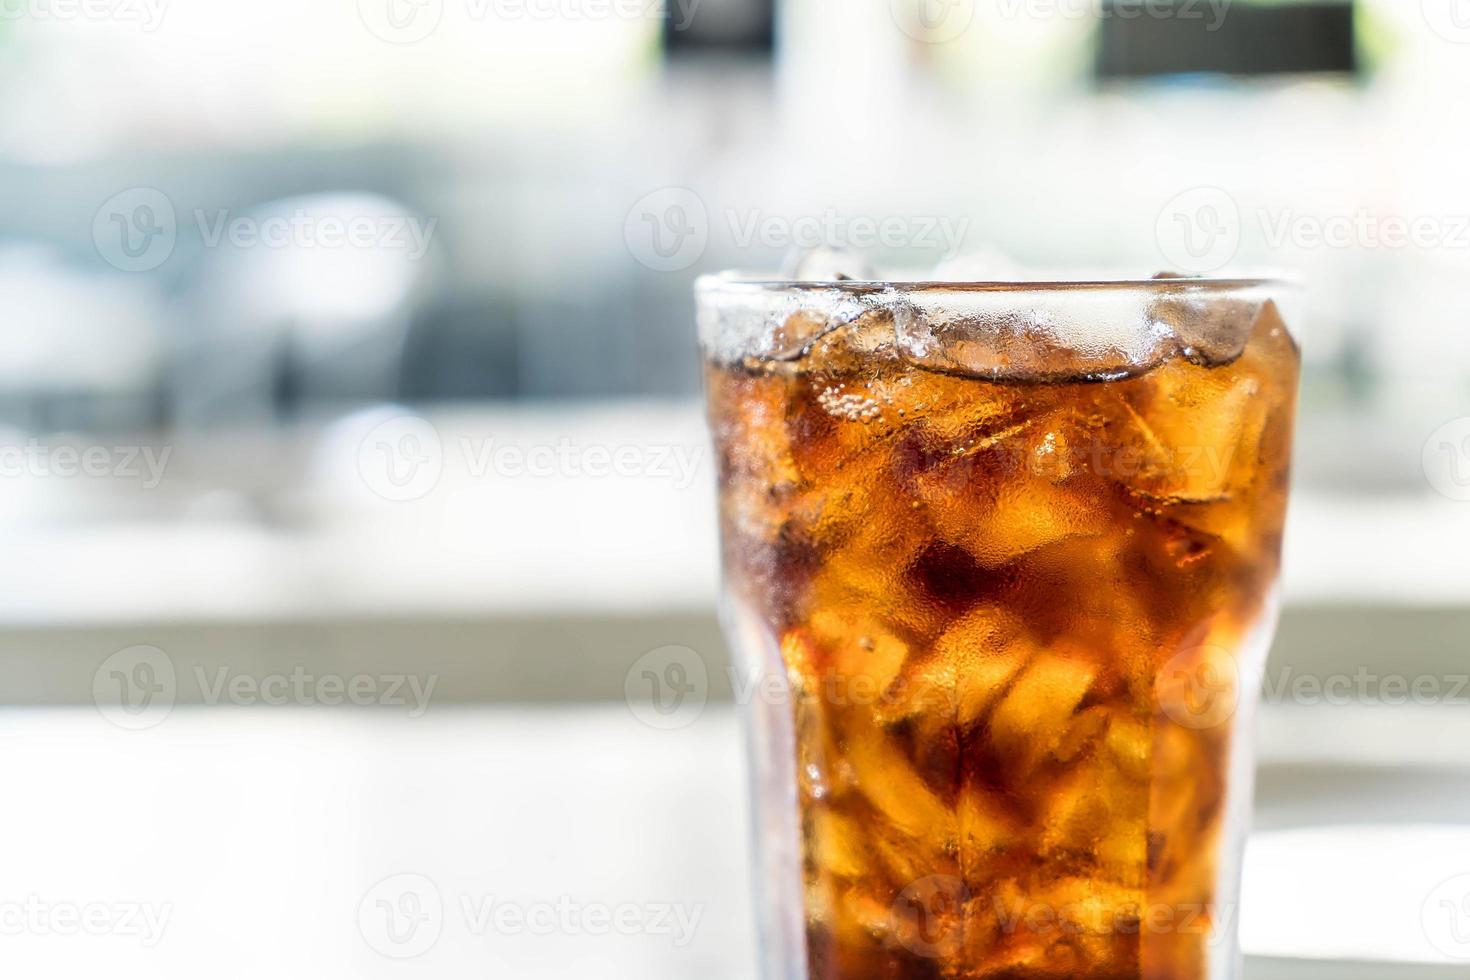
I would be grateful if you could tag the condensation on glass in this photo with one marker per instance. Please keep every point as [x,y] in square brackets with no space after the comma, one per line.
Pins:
[1000,563]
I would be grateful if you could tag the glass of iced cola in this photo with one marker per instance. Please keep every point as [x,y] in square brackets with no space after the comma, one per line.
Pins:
[1000,566]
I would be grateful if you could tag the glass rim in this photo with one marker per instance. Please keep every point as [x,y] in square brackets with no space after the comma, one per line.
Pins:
[1117,323]
[741,282]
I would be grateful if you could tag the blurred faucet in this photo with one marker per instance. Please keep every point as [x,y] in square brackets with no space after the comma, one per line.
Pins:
[301,303]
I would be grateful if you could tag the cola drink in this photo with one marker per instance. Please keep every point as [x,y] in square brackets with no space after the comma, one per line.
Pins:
[1010,551]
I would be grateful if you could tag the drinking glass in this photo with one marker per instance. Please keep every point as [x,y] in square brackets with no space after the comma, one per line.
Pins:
[1000,563]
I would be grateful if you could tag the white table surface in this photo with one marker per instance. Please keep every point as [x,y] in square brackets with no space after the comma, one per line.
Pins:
[260,831]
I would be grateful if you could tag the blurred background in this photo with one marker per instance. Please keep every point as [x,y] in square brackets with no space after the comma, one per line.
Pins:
[351,460]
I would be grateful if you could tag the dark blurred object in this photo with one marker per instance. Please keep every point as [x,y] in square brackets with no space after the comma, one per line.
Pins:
[279,328]
[459,349]
[1141,38]
[740,27]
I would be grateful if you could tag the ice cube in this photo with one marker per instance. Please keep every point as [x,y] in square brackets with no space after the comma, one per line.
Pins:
[836,844]
[1188,434]
[1211,330]
[894,788]
[983,652]
[1028,721]
[1038,335]
[983,265]
[862,657]
[827,264]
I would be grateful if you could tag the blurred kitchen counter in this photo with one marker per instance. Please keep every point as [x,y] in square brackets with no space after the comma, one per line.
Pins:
[497,550]
[307,524]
